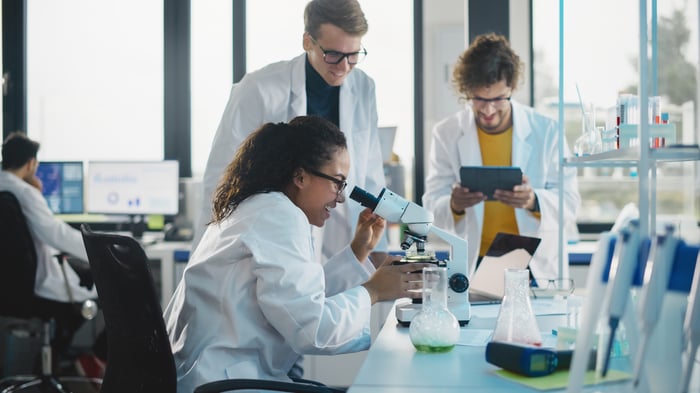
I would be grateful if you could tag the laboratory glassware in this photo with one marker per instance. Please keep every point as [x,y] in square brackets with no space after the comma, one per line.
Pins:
[516,321]
[434,328]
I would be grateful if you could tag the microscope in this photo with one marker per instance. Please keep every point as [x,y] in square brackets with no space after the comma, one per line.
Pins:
[418,220]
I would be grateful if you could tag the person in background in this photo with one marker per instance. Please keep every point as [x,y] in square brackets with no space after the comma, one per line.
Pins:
[51,237]
[252,298]
[495,130]
[322,81]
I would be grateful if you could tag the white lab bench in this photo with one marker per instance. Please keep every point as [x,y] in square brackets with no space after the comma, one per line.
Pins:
[393,365]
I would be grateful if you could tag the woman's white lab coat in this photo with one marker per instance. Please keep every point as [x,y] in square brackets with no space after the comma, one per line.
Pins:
[455,143]
[50,234]
[252,298]
[277,93]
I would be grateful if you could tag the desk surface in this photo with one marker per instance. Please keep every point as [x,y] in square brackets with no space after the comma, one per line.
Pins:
[393,365]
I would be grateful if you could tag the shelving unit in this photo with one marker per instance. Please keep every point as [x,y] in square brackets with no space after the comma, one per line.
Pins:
[641,157]
[630,157]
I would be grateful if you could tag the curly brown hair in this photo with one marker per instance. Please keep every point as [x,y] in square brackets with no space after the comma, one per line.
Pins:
[270,157]
[488,60]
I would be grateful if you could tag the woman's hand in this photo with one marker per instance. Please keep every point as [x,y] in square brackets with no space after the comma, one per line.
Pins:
[392,282]
[370,228]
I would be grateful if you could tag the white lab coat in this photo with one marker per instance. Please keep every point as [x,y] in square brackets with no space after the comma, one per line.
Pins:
[455,143]
[50,234]
[277,93]
[252,298]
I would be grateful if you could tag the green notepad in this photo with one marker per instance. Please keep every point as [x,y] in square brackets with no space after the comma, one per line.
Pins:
[560,379]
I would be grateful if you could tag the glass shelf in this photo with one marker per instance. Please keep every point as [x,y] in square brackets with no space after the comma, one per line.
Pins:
[629,157]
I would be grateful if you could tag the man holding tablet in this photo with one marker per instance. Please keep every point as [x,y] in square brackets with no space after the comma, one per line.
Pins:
[495,130]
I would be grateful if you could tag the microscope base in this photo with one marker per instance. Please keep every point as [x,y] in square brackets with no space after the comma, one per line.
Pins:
[406,311]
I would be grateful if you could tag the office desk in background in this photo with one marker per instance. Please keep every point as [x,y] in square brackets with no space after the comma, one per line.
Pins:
[393,365]
[170,254]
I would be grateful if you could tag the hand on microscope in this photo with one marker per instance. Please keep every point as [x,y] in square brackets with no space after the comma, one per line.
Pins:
[391,282]
[370,229]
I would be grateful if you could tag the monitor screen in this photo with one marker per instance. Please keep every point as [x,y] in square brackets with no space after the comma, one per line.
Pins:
[62,185]
[131,187]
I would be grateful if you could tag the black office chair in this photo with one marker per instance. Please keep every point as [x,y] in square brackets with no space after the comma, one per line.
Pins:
[140,358]
[18,301]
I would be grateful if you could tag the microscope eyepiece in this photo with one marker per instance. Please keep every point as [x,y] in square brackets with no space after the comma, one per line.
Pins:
[364,198]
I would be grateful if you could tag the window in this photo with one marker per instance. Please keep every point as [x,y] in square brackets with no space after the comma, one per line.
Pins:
[601,48]
[211,73]
[95,79]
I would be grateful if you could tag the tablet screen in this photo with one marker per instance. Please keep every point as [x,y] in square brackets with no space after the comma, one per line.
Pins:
[488,179]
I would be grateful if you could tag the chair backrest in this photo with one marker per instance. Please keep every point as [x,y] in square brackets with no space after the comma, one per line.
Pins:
[18,260]
[139,357]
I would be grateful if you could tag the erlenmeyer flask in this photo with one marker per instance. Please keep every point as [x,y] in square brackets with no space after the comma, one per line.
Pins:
[516,321]
[434,328]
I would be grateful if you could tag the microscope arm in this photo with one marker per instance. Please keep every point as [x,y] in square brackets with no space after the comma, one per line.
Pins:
[458,247]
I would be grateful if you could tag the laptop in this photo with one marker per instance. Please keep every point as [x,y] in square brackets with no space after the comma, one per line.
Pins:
[507,251]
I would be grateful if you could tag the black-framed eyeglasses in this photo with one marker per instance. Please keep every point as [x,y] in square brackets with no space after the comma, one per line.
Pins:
[497,102]
[339,184]
[335,57]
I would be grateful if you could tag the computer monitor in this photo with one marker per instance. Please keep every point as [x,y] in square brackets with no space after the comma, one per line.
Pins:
[62,183]
[132,187]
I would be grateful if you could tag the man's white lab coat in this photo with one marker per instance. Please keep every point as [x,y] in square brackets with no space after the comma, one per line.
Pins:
[455,143]
[277,93]
[50,234]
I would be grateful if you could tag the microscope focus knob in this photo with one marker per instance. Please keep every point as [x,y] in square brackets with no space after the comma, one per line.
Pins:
[459,282]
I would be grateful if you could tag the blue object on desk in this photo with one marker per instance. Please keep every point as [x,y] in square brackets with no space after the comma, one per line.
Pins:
[580,258]
[181,256]
[683,267]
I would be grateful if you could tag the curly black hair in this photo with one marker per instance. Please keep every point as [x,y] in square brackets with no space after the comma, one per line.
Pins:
[270,157]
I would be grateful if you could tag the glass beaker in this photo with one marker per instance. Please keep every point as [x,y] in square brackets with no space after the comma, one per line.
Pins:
[434,328]
[516,321]
[590,140]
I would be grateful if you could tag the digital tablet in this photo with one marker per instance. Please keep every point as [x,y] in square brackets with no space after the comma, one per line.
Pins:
[488,179]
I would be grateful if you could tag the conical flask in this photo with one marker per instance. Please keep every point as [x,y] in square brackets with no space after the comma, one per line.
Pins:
[516,321]
[434,328]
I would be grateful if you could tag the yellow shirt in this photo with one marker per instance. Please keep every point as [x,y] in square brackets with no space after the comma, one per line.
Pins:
[498,217]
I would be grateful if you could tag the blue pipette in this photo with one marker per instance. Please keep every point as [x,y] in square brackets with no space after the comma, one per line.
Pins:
[624,263]
[597,278]
[656,277]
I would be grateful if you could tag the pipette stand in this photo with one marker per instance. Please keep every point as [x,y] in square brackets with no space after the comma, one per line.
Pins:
[610,246]
[665,358]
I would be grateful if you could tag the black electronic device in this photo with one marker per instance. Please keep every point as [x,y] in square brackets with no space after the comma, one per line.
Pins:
[531,361]
[488,179]
[526,360]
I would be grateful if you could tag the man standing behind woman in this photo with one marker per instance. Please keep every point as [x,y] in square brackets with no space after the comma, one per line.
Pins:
[252,297]
[322,81]
[495,130]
